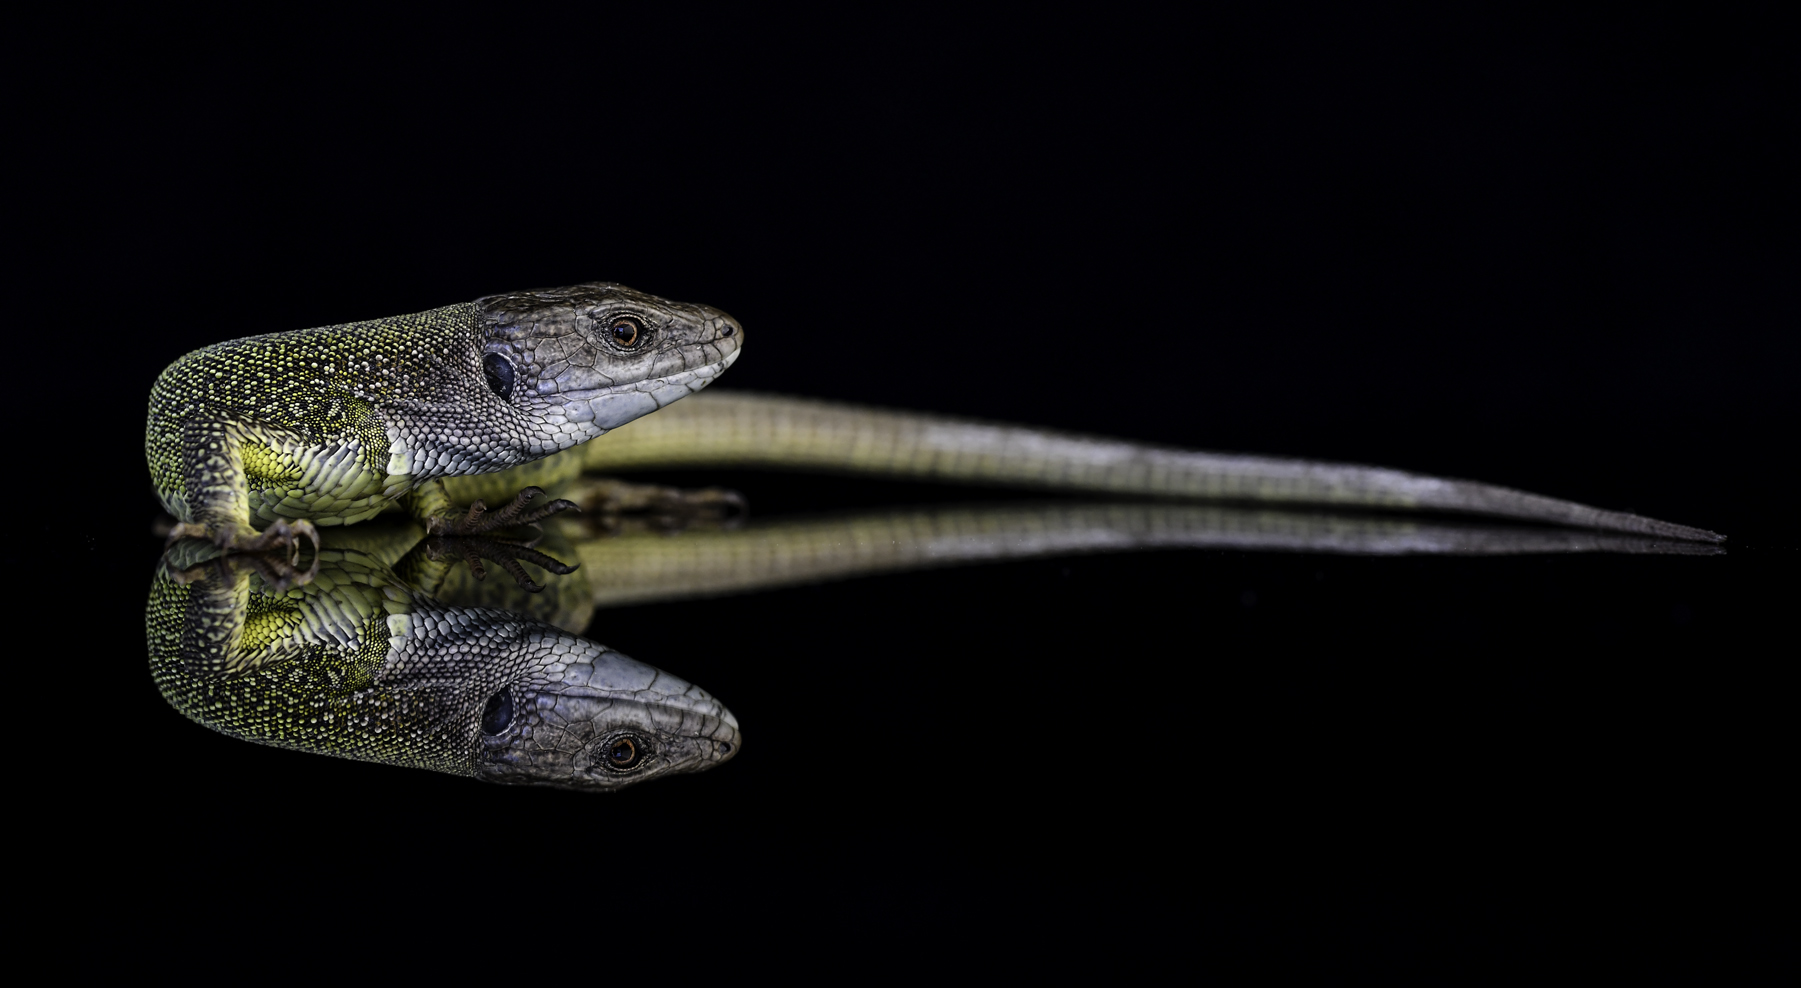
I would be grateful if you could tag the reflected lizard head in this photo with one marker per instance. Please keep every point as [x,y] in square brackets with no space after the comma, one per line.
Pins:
[582,716]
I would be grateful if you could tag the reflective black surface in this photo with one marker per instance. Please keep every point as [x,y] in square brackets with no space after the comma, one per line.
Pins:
[1551,255]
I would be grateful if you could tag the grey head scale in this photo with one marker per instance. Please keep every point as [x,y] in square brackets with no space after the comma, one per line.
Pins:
[577,715]
[570,364]
[548,370]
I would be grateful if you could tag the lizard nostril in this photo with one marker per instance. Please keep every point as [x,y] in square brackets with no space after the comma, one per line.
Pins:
[728,330]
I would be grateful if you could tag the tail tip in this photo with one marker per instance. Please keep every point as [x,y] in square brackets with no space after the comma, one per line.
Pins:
[1698,535]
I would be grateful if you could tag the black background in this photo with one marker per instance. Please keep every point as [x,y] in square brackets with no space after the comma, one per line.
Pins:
[1549,254]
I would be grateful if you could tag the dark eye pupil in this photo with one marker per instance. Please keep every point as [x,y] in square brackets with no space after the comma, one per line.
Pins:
[498,713]
[625,332]
[621,754]
[499,372]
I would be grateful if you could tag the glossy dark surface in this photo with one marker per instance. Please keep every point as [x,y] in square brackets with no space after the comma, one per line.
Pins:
[1555,256]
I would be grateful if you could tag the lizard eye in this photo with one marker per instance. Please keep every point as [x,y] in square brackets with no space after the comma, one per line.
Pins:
[498,713]
[499,372]
[627,331]
[623,753]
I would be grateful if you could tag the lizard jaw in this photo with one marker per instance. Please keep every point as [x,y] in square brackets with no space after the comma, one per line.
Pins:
[578,706]
[610,409]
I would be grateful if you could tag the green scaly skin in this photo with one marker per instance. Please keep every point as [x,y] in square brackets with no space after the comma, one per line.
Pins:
[334,425]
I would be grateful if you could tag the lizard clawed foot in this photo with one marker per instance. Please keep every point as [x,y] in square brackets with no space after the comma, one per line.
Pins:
[480,521]
[474,548]
[274,553]
[469,537]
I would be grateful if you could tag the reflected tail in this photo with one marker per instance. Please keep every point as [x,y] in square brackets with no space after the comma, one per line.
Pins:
[651,567]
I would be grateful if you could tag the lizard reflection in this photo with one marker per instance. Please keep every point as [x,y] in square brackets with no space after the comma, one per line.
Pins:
[646,566]
[394,651]
[361,662]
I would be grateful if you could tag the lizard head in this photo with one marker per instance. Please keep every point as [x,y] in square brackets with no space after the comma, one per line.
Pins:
[582,716]
[565,365]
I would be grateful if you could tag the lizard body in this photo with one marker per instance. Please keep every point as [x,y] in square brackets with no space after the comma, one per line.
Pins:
[336,424]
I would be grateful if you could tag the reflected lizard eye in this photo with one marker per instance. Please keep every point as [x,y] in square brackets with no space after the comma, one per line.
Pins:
[627,331]
[499,372]
[498,713]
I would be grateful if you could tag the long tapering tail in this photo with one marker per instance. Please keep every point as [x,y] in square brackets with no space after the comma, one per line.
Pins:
[745,429]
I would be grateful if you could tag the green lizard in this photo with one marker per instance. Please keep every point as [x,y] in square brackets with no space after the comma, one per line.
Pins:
[334,425]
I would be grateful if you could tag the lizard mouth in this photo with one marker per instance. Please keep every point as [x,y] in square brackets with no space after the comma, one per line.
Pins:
[610,408]
[603,720]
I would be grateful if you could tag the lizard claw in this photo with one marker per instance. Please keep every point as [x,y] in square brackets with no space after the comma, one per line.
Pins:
[479,521]
[474,548]
[274,552]
[470,538]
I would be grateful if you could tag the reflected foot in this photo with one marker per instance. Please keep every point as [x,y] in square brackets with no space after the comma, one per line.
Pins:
[274,553]
[471,537]
[472,549]
[614,506]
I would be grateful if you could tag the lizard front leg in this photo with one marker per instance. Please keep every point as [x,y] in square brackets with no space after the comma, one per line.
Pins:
[217,505]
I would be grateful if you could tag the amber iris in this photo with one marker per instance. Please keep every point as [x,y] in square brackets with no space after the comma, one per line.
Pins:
[623,753]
